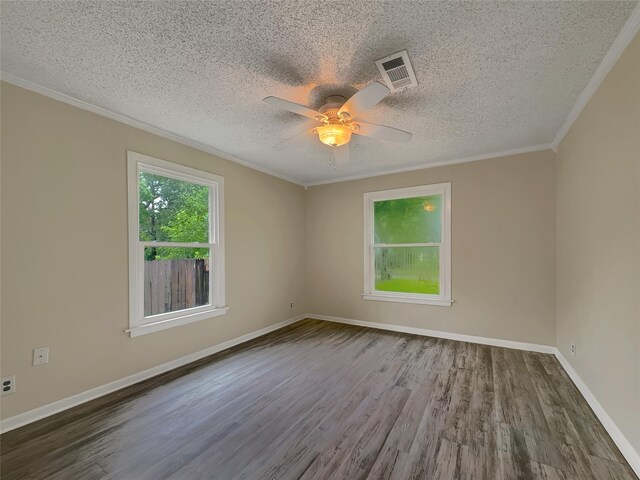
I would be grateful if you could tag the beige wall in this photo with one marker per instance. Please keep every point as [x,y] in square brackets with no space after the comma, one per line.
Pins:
[598,246]
[503,250]
[64,250]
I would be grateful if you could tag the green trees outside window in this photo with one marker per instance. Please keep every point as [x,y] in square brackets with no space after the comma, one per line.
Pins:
[173,210]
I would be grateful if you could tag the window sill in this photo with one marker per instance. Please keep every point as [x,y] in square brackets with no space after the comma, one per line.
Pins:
[406,299]
[175,322]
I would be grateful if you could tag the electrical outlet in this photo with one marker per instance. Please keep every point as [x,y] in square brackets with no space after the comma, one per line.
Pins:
[8,385]
[291,305]
[573,349]
[40,356]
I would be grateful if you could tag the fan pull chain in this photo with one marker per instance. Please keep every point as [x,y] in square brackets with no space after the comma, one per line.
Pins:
[332,159]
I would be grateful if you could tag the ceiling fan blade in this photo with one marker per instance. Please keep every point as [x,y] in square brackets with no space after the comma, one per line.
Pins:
[364,100]
[382,132]
[295,108]
[341,154]
[305,133]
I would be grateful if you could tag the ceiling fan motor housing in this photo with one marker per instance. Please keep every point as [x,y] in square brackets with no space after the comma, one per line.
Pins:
[332,105]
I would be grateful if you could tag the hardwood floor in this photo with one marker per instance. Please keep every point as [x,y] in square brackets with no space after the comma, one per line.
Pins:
[319,400]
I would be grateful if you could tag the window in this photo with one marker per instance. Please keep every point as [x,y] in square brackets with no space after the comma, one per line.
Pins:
[408,245]
[176,253]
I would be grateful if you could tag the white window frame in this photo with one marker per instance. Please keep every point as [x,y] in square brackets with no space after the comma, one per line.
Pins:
[370,293]
[138,323]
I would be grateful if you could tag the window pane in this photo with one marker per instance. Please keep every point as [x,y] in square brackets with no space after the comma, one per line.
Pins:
[172,210]
[175,279]
[408,220]
[408,269]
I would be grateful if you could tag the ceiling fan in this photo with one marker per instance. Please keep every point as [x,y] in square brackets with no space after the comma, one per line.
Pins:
[339,118]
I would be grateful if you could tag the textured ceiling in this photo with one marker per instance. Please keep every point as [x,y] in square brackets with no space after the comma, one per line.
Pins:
[493,76]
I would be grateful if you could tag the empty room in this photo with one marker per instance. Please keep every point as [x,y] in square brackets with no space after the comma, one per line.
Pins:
[330,240]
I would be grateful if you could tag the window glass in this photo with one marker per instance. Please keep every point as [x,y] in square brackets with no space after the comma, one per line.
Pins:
[175,278]
[408,220]
[173,210]
[408,269]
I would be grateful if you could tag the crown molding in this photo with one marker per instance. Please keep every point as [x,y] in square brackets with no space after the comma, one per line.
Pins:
[132,122]
[621,42]
[623,39]
[423,166]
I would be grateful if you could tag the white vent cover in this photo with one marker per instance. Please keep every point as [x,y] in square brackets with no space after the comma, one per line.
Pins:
[397,71]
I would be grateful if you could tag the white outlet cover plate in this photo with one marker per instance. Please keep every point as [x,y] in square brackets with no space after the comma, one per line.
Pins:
[40,356]
[9,382]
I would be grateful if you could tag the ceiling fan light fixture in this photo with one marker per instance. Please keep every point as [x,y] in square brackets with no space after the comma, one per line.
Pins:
[334,135]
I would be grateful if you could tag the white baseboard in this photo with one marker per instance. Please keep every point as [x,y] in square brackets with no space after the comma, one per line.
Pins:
[627,450]
[80,398]
[630,454]
[496,342]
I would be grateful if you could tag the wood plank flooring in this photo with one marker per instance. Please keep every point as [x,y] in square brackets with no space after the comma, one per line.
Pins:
[319,400]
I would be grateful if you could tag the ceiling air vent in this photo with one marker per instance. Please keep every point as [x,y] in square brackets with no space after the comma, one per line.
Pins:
[397,71]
